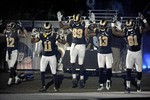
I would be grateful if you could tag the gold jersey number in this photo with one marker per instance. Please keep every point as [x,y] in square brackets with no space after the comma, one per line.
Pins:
[10,42]
[132,40]
[77,33]
[47,46]
[103,40]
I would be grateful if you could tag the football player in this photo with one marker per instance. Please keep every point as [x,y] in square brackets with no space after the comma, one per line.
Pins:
[13,32]
[78,46]
[133,35]
[48,39]
[104,55]
[62,47]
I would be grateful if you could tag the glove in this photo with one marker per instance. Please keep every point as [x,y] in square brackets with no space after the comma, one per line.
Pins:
[118,25]
[19,23]
[114,18]
[92,17]
[59,16]
[141,16]
[87,23]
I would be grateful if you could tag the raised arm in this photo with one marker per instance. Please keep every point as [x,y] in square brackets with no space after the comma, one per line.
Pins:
[146,26]
[117,32]
[23,32]
[61,25]
[2,34]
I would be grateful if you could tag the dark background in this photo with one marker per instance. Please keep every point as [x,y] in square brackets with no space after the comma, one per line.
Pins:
[47,9]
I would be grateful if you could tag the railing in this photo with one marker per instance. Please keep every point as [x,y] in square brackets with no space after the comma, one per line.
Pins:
[109,14]
[99,14]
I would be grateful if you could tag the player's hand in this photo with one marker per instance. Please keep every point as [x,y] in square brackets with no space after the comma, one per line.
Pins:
[87,23]
[141,16]
[59,16]
[19,23]
[114,18]
[118,25]
[92,17]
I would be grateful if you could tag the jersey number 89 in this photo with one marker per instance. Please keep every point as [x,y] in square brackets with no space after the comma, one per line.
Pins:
[77,33]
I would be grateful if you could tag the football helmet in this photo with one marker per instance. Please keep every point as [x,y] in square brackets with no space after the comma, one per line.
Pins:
[130,24]
[34,32]
[77,18]
[103,24]
[47,27]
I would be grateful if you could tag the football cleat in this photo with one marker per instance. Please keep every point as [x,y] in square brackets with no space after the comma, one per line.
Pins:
[56,89]
[101,87]
[127,90]
[74,83]
[17,80]
[82,84]
[138,88]
[108,85]
[9,82]
[42,89]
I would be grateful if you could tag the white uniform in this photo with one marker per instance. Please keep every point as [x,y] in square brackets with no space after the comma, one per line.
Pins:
[134,58]
[13,58]
[77,50]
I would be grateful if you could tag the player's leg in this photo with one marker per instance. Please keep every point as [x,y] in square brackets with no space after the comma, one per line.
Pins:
[43,65]
[61,52]
[109,61]
[129,65]
[101,64]
[81,56]
[11,60]
[14,64]
[138,63]
[10,74]
[53,67]
[73,56]
[116,59]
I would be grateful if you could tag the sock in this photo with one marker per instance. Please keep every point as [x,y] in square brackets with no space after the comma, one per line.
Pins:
[74,76]
[11,74]
[73,68]
[55,80]
[82,77]
[139,75]
[81,70]
[101,75]
[43,78]
[109,73]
